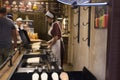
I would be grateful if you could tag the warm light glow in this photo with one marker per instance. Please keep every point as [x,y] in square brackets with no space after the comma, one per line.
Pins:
[29,3]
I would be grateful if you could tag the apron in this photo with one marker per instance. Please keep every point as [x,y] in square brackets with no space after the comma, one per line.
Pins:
[56,48]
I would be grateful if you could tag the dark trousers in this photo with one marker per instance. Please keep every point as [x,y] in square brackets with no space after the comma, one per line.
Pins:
[4,53]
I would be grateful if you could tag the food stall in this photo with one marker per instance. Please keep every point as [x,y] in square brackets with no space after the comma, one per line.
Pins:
[35,57]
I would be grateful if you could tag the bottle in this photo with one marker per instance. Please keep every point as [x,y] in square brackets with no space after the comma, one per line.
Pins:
[55,76]
[35,75]
[44,75]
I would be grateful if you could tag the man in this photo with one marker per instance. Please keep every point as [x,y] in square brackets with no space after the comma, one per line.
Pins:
[7,34]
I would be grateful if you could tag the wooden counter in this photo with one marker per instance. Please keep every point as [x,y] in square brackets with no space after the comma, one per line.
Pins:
[7,70]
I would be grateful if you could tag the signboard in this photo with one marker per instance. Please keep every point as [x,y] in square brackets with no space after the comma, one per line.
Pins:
[101,16]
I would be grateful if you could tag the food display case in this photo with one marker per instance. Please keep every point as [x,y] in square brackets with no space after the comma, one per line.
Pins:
[42,60]
[25,71]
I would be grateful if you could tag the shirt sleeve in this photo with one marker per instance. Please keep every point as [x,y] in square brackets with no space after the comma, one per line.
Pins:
[13,25]
[56,30]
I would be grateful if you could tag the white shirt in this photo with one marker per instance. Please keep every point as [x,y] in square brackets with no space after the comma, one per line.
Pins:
[17,27]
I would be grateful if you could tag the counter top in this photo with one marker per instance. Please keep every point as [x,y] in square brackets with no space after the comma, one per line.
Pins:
[35,40]
[65,35]
[6,71]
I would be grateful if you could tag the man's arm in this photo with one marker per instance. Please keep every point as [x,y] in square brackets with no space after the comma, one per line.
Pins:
[14,37]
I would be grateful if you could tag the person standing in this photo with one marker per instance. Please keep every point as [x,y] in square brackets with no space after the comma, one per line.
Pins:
[56,43]
[19,26]
[7,35]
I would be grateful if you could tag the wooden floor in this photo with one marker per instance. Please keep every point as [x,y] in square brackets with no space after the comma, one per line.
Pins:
[67,67]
